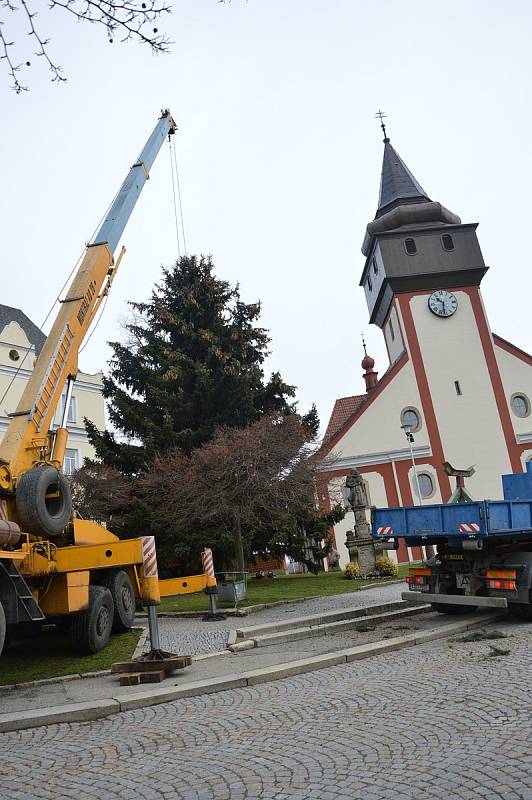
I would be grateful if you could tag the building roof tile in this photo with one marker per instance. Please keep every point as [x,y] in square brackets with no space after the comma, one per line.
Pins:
[35,335]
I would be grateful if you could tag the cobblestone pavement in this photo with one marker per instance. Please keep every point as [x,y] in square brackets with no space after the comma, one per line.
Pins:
[445,720]
[191,637]
[196,637]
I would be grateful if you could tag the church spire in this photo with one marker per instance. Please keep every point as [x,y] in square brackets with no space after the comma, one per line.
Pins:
[398,185]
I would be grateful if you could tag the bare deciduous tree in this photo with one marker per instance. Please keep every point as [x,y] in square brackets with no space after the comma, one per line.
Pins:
[238,482]
[101,494]
[121,19]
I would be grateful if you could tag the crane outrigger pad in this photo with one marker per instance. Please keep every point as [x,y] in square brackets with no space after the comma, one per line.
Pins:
[153,661]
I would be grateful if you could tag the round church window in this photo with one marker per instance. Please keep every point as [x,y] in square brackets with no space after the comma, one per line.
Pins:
[14,355]
[410,418]
[426,485]
[520,405]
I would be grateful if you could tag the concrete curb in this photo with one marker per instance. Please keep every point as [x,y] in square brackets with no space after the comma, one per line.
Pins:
[311,620]
[81,712]
[245,611]
[334,627]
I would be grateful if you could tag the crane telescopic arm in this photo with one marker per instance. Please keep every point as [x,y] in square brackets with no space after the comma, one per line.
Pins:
[29,440]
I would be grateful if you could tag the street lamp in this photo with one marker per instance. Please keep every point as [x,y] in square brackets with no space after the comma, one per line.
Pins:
[410,438]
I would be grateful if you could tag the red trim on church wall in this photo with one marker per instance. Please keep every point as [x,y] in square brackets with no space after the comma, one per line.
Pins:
[381,385]
[424,392]
[392,498]
[495,375]
[512,349]
[402,468]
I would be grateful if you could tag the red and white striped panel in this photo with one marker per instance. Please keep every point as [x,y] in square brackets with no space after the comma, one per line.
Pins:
[469,527]
[385,531]
[208,564]
[149,556]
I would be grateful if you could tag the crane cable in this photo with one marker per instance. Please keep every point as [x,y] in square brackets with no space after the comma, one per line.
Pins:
[177,200]
[174,197]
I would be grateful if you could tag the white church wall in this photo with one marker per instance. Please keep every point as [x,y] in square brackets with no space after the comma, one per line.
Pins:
[394,335]
[526,456]
[517,379]
[376,496]
[378,430]
[463,420]
[427,469]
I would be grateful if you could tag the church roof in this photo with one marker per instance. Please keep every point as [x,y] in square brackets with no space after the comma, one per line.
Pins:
[35,335]
[398,185]
[343,408]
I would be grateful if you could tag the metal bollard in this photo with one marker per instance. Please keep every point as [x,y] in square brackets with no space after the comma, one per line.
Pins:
[153,625]
[208,567]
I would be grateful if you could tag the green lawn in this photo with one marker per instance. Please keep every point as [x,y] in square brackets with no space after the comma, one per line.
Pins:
[282,587]
[50,655]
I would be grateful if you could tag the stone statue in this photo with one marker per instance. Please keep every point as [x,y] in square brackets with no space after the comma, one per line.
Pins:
[359,542]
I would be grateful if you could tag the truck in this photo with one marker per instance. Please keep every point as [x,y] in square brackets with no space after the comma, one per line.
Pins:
[55,567]
[483,549]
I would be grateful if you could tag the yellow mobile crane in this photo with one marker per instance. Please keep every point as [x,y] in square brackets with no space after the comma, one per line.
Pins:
[53,566]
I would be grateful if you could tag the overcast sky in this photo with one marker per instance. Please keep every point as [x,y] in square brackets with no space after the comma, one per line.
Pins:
[279,156]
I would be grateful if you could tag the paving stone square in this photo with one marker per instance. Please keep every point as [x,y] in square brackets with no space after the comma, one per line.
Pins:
[443,720]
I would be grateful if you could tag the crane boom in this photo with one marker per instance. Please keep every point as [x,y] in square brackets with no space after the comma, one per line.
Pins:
[29,440]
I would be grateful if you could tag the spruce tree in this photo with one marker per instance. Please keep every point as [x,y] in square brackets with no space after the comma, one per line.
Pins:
[192,362]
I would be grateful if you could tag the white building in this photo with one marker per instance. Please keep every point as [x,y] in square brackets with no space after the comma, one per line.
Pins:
[20,341]
[464,391]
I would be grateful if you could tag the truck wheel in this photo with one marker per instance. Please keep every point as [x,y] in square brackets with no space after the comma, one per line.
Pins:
[43,501]
[521,611]
[2,628]
[450,608]
[90,629]
[123,596]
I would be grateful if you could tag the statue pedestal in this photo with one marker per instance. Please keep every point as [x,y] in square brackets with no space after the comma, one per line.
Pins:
[363,549]
[359,542]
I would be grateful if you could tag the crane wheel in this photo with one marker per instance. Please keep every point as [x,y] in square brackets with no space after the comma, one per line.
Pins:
[90,630]
[43,499]
[123,596]
[2,628]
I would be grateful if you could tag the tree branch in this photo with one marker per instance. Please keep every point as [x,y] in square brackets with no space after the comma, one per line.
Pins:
[42,52]
[127,18]
[12,68]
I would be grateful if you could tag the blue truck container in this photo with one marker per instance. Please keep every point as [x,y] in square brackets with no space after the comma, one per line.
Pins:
[433,524]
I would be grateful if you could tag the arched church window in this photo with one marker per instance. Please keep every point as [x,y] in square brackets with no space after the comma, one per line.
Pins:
[410,419]
[426,484]
[375,265]
[520,405]
[410,246]
[370,285]
[447,241]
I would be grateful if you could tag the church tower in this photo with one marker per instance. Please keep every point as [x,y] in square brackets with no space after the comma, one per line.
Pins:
[422,278]
[464,393]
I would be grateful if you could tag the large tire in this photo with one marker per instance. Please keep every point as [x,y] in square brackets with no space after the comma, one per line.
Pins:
[123,596]
[90,630]
[521,611]
[2,628]
[450,608]
[44,503]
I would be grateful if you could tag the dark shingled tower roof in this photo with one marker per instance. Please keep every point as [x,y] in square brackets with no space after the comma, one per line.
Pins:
[398,185]
[35,335]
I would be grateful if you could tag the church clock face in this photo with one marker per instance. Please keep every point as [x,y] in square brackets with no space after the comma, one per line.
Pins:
[443,303]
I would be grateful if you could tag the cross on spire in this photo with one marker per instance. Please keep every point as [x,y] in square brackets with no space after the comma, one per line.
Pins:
[364,344]
[382,116]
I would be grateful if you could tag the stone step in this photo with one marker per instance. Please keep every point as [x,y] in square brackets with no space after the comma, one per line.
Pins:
[334,627]
[351,612]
